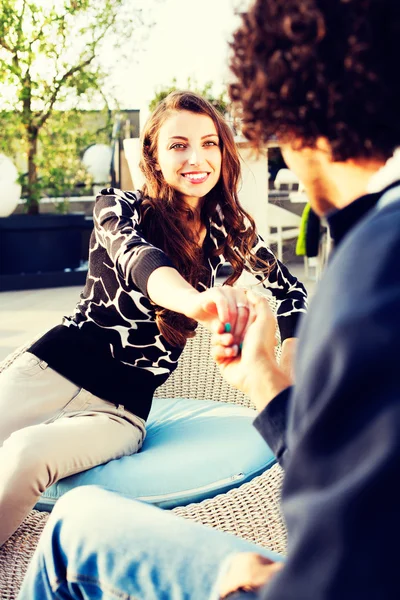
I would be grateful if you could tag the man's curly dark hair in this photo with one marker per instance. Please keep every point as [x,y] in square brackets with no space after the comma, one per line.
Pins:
[306,69]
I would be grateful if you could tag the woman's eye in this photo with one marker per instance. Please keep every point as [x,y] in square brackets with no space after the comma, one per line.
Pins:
[210,143]
[177,146]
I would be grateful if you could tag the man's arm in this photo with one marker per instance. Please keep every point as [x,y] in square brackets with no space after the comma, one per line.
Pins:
[256,372]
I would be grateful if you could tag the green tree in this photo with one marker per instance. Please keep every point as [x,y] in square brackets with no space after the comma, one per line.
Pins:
[220,101]
[49,59]
[62,141]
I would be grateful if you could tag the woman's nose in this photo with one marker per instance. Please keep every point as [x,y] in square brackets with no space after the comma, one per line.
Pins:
[194,158]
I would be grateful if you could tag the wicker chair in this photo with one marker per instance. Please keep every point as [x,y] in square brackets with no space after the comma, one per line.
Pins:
[251,511]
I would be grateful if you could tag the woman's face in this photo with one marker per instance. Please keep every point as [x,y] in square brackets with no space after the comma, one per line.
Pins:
[188,154]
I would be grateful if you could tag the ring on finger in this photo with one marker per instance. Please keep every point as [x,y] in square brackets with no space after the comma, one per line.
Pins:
[242,305]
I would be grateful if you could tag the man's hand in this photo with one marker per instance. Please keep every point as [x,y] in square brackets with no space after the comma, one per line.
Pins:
[288,354]
[248,571]
[254,370]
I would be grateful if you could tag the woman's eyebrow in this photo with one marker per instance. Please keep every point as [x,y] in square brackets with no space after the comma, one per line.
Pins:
[178,137]
[182,137]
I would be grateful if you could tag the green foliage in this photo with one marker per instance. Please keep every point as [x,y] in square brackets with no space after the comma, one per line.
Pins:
[49,60]
[62,207]
[12,138]
[62,141]
[220,101]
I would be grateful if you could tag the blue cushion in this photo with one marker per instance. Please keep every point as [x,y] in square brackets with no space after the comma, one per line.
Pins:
[194,449]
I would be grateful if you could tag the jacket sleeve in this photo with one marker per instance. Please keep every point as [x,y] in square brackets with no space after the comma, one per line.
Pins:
[117,219]
[289,292]
[271,424]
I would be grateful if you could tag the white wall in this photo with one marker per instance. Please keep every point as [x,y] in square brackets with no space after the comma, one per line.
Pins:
[253,191]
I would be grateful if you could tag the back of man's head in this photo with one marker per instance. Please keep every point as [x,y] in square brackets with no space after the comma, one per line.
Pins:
[308,69]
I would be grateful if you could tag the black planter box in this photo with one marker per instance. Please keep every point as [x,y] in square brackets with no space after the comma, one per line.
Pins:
[37,281]
[43,250]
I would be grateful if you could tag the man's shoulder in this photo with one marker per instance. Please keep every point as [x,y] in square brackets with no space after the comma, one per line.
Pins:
[371,248]
[358,297]
[363,275]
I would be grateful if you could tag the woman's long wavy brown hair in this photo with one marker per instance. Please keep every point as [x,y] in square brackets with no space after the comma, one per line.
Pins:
[165,215]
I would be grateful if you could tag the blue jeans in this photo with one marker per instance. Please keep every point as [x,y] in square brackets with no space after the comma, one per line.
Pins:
[98,545]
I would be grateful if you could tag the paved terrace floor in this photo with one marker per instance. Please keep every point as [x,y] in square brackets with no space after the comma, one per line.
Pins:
[26,314]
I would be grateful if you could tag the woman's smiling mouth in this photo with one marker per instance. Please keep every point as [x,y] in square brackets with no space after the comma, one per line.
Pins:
[196,177]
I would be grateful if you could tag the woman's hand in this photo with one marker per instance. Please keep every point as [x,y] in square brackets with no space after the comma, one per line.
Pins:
[214,308]
[255,370]
[223,309]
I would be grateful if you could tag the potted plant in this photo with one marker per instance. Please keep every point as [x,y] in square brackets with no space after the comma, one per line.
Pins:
[49,242]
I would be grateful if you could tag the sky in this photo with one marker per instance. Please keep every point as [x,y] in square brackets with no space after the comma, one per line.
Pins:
[189,39]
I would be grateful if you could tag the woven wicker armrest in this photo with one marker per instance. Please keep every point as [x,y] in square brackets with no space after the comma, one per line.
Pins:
[17,552]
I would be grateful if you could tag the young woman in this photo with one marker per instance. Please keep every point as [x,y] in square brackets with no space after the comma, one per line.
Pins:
[81,394]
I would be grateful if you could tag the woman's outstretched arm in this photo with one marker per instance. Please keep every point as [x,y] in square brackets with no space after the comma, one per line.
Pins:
[229,305]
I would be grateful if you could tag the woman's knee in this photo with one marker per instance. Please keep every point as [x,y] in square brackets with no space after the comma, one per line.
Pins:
[25,449]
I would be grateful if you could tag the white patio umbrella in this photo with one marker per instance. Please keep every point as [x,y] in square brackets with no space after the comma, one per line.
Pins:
[10,189]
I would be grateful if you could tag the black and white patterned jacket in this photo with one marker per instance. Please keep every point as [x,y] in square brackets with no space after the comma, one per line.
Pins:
[112,346]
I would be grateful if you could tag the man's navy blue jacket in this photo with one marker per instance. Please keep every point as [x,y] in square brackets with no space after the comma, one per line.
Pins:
[337,432]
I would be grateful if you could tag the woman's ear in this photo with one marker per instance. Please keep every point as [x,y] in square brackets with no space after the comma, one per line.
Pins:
[157,167]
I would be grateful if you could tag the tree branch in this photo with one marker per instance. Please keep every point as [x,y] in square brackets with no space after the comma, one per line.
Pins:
[71,72]
[4,45]
[20,24]
[15,66]
[58,86]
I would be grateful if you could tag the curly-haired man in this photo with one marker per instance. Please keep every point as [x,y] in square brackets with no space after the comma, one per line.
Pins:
[320,76]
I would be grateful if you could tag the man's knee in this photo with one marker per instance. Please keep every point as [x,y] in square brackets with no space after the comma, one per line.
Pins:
[92,518]
[88,508]
[77,514]
[92,508]
[85,500]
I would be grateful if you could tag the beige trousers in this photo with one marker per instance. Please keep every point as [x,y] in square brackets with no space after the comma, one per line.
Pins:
[49,429]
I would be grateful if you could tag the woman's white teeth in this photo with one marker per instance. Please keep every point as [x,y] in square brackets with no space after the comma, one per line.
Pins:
[195,176]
